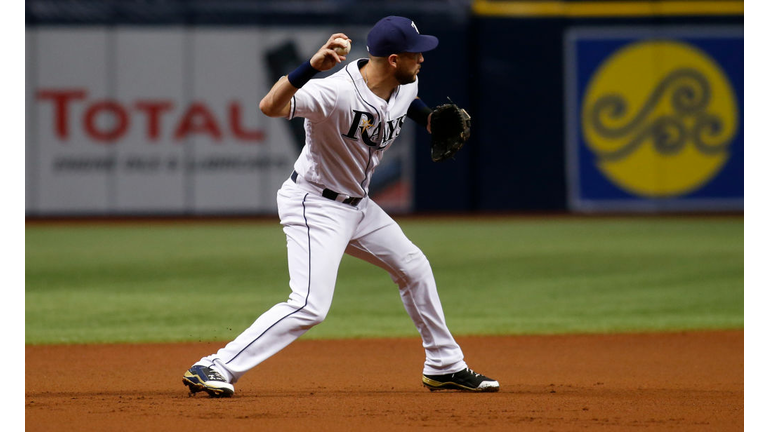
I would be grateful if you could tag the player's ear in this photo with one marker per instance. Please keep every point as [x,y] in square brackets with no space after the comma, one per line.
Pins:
[392,60]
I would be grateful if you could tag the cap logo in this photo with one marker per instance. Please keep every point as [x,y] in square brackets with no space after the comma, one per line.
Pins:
[413,24]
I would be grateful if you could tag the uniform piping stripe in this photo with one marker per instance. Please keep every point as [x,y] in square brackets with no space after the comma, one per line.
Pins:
[360,95]
[370,156]
[309,283]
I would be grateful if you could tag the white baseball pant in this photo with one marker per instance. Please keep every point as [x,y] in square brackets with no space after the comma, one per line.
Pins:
[319,231]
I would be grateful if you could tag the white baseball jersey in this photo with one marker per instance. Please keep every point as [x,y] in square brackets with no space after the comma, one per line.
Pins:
[348,128]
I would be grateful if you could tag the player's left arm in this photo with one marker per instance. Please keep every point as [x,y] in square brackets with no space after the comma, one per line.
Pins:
[450,128]
[421,113]
[448,124]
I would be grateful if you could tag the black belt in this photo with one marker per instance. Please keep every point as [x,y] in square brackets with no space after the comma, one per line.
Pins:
[331,195]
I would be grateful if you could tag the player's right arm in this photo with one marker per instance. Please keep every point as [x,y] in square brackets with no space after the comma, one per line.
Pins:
[277,103]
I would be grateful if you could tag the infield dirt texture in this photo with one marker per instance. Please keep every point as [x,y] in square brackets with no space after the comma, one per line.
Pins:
[615,324]
[691,381]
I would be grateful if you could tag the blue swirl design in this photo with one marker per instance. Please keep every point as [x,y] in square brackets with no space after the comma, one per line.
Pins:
[690,96]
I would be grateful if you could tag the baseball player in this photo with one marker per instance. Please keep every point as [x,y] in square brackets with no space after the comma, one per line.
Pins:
[351,119]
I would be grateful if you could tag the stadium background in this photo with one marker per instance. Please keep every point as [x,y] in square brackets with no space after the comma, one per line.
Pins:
[671,264]
[99,151]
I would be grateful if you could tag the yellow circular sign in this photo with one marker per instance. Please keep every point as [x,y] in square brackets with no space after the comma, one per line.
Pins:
[659,117]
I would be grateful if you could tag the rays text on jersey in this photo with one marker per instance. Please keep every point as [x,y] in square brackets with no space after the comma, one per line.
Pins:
[363,125]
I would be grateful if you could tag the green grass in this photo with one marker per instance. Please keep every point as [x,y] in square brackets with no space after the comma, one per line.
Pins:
[197,281]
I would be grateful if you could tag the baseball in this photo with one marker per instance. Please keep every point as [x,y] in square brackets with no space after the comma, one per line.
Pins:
[342,50]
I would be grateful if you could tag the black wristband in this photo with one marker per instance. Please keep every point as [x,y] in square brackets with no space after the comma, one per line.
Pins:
[419,112]
[302,74]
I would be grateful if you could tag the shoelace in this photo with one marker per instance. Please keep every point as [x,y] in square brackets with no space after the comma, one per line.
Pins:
[470,371]
[213,375]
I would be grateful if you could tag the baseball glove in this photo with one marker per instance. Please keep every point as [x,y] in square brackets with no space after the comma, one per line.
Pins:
[450,130]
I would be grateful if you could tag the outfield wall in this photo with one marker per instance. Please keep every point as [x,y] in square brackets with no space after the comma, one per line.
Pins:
[631,106]
[152,108]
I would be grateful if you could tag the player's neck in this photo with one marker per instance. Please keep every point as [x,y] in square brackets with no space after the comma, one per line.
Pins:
[380,84]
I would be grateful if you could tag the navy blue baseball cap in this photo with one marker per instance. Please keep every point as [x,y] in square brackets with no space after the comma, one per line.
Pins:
[394,34]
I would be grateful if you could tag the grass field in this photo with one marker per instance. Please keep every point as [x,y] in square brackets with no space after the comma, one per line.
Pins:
[208,281]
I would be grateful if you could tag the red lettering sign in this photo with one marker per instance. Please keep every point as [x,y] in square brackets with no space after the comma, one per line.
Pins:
[110,133]
[235,124]
[107,121]
[153,110]
[197,119]
[61,99]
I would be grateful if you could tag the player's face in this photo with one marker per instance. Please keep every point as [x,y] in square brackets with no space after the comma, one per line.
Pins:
[408,67]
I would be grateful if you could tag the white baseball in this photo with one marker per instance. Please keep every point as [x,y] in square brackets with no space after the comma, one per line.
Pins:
[345,49]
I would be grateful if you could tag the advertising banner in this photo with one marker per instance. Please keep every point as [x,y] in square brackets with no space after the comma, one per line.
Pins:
[655,118]
[165,120]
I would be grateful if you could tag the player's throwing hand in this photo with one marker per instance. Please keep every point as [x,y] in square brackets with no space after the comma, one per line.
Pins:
[326,57]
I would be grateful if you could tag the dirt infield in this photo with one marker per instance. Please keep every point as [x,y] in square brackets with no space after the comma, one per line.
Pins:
[691,381]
